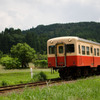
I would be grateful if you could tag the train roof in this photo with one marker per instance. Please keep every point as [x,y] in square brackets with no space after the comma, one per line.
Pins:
[73,37]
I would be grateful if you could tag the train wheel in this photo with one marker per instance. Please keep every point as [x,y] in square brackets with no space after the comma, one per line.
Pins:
[61,73]
[61,76]
[98,70]
[78,72]
[85,71]
[65,73]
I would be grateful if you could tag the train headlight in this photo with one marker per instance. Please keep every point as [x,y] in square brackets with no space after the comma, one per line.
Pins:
[51,41]
[69,40]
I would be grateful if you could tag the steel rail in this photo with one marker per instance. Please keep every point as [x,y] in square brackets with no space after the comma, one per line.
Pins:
[13,87]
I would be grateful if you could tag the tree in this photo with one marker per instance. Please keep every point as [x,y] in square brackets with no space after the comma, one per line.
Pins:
[24,52]
[1,54]
[37,37]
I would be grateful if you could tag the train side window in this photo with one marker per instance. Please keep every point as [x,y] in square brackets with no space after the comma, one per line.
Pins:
[79,49]
[97,51]
[87,50]
[52,49]
[60,49]
[83,50]
[70,48]
[94,51]
[91,50]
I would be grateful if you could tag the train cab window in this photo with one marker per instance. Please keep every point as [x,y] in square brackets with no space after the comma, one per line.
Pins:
[83,50]
[87,50]
[94,51]
[52,49]
[97,52]
[60,49]
[70,48]
[79,49]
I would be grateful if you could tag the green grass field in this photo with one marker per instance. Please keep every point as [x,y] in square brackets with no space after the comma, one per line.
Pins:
[83,89]
[17,76]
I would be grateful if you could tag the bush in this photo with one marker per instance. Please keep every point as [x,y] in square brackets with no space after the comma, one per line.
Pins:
[4,83]
[39,56]
[10,62]
[39,77]
[41,63]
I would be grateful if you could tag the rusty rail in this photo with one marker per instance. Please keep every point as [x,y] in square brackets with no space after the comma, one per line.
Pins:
[34,84]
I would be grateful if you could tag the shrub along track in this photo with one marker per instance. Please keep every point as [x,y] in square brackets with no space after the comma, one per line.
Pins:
[5,89]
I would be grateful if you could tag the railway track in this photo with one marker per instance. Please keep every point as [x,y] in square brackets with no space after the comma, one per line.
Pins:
[5,89]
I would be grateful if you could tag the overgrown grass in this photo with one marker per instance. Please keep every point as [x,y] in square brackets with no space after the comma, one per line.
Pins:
[39,77]
[17,76]
[86,89]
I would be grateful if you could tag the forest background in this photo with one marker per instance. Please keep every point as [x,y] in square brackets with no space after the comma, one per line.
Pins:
[37,37]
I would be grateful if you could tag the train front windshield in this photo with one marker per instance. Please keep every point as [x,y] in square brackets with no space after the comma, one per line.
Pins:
[69,48]
[61,49]
[52,49]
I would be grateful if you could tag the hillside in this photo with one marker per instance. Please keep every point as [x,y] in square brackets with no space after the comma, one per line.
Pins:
[37,37]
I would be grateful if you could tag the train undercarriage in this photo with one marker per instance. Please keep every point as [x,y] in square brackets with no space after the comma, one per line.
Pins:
[76,72]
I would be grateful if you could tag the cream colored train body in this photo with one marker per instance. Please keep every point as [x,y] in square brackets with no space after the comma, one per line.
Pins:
[73,53]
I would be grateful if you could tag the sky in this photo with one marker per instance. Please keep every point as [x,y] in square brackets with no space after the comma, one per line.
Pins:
[25,14]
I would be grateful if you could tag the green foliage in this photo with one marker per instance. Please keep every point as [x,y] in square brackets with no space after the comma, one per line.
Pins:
[39,77]
[37,37]
[18,76]
[1,54]
[86,89]
[10,63]
[10,37]
[23,52]
[39,56]
[40,60]
[41,63]
[40,34]
[4,83]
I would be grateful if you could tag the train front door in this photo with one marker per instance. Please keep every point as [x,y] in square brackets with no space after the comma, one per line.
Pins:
[60,55]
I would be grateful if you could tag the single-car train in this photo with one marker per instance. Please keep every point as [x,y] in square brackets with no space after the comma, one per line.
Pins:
[73,56]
